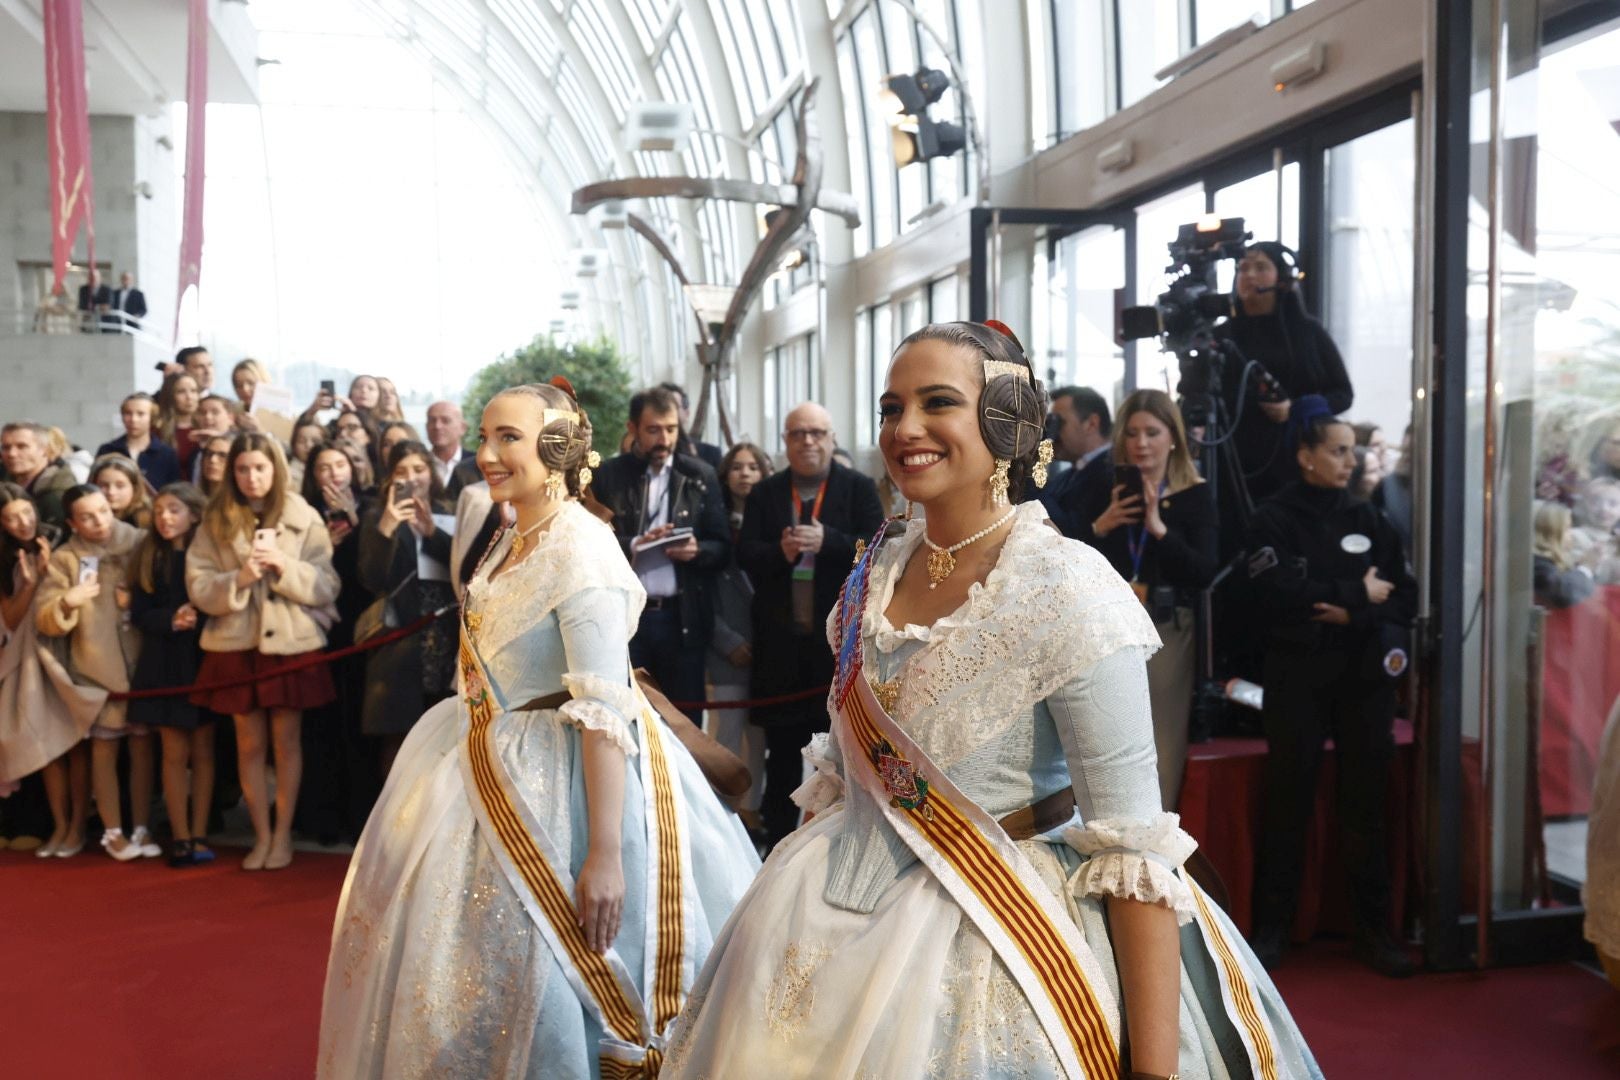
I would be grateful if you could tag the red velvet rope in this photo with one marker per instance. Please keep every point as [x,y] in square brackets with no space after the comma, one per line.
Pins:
[309,661]
[399,634]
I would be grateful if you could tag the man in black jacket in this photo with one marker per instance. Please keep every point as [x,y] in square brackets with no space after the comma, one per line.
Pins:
[797,544]
[652,491]
[127,305]
[1082,438]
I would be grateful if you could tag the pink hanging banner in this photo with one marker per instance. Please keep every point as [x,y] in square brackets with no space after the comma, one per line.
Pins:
[191,229]
[67,120]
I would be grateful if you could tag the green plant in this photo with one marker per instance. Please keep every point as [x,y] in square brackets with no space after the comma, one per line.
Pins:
[595,368]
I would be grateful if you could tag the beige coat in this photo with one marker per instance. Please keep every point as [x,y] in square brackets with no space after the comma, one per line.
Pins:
[102,649]
[279,615]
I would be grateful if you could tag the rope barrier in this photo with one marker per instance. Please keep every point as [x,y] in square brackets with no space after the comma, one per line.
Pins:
[312,660]
[399,634]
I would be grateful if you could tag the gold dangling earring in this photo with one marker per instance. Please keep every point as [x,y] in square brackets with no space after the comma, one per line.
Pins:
[1043,458]
[998,482]
[556,487]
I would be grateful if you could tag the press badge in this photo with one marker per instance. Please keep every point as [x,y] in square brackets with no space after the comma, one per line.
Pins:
[1356,544]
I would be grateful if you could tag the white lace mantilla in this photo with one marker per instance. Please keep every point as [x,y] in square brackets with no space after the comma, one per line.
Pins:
[1050,609]
[576,552]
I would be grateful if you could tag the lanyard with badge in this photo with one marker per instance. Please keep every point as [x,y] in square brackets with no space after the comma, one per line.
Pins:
[1136,543]
[805,568]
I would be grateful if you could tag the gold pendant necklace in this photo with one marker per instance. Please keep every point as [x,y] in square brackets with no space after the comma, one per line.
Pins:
[519,542]
[942,560]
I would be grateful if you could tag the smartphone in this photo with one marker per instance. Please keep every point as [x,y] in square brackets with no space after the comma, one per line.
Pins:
[328,386]
[264,539]
[1131,477]
[402,491]
[89,566]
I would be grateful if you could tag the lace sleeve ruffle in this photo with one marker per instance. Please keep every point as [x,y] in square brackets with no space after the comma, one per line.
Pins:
[601,705]
[1134,860]
[826,785]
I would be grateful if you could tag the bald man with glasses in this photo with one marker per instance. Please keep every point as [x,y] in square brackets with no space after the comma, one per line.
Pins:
[797,544]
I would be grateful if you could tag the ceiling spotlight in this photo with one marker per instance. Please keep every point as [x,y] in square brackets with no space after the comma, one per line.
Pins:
[909,95]
[923,139]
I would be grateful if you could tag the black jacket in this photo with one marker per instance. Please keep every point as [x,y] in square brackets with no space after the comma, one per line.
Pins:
[386,566]
[695,500]
[1185,559]
[169,657]
[786,660]
[1555,588]
[158,463]
[1298,353]
[1072,491]
[1298,557]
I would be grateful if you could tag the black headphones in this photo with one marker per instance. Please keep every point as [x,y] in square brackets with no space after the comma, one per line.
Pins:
[1283,257]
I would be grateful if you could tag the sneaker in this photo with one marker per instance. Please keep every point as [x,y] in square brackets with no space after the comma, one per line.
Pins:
[142,839]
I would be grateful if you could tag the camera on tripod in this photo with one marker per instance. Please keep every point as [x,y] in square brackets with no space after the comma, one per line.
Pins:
[1184,316]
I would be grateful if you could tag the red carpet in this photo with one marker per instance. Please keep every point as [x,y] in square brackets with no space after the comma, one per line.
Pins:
[134,970]
[138,971]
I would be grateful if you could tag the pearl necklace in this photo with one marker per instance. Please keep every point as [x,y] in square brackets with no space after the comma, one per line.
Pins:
[942,560]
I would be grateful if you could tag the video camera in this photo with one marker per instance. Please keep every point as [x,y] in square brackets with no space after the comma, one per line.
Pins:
[1184,315]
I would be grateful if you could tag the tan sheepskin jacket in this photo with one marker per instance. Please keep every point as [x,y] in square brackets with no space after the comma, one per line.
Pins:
[280,615]
[102,648]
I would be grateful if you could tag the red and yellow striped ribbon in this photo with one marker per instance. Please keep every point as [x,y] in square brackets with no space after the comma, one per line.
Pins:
[1245,1001]
[622,1014]
[1020,915]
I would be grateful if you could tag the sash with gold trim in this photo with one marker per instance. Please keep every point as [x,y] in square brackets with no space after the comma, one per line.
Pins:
[634,1030]
[975,861]
[991,879]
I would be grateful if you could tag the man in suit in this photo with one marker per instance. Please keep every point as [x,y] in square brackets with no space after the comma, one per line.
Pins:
[708,453]
[445,430]
[1082,433]
[93,300]
[652,490]
[797,544]
[127,304]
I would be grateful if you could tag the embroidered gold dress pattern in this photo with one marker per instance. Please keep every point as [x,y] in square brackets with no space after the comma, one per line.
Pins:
[792,994]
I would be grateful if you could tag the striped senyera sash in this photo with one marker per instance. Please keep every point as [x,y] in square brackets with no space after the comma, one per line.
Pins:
[634,1030]
[975,861]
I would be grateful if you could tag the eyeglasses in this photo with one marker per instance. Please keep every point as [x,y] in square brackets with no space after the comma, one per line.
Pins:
[806,434]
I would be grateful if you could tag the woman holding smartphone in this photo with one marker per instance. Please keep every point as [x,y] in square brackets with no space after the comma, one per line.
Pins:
[398,541]
[1158,528]
[261,570]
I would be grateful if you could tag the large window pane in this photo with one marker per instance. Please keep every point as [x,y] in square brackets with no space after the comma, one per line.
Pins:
[1368,299]
[1080,65]
[1086,276]
[1149,39]
[1575,296]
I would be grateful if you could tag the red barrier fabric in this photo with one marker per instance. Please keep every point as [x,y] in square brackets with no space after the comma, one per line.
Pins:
[1221,798]
[1580,682]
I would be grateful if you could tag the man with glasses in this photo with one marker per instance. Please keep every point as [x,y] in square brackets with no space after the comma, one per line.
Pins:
[671,521]
[797,544]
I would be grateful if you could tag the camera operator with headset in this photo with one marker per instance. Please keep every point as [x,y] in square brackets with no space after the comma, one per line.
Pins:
[1270,328]
[1156,524]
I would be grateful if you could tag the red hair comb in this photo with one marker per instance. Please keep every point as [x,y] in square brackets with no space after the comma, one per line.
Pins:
[1005,330]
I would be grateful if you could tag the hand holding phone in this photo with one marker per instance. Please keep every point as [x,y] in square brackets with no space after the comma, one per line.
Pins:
[1130,477]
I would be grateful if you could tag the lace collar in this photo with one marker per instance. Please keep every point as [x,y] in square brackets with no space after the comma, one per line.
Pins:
[576,552]
[981,594]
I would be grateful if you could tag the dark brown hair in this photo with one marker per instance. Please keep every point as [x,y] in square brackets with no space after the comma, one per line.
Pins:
[1012,407]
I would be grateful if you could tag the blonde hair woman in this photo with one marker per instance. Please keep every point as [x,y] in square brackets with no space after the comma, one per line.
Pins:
[1158,527]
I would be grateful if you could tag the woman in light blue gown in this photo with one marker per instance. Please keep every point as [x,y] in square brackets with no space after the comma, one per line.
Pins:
[547,868]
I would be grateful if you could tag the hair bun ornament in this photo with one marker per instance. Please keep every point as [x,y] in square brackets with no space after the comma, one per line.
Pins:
[562,383]
[1005,331]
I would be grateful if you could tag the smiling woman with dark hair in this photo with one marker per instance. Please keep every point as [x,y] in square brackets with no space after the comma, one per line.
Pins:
[988,886]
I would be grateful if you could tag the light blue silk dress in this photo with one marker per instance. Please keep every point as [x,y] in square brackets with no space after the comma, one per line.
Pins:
[436,968]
